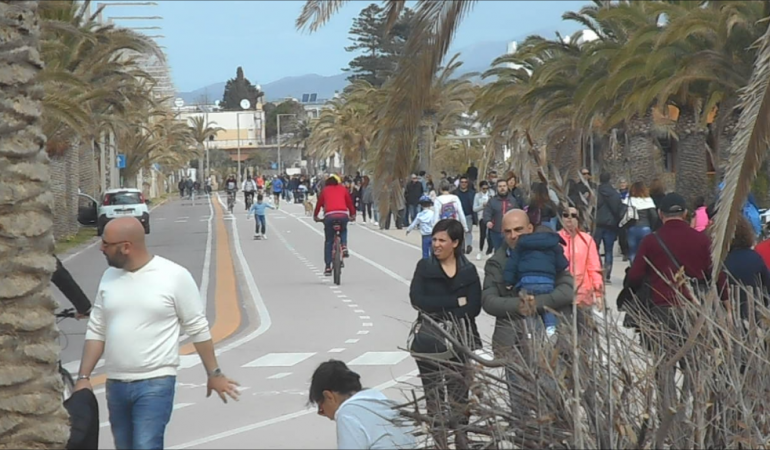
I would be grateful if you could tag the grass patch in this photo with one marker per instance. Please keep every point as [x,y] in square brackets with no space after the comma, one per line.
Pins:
[84,235]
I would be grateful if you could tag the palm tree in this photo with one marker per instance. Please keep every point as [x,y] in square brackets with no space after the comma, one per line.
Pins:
[30,387]
[201,131]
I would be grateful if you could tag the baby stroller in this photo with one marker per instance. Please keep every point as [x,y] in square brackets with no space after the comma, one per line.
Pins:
[300,193]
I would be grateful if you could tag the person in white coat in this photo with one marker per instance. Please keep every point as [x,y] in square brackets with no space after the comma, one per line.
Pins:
[448,206]
[479,203]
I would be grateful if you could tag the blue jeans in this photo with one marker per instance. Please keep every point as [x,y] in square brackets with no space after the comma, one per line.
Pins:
[497,239]
[261,225]
[427,241]
[635,236]
[412,211]
[329,236]
[607,236]
[537,286]
[139,411]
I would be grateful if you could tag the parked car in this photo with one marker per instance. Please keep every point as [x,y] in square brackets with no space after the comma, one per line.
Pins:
[116,203]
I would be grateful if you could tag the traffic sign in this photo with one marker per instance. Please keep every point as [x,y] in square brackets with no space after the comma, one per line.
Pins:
[179,102]
[121,161]
[274,166]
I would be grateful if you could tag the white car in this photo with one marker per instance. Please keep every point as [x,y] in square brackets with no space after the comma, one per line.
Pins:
[122,202]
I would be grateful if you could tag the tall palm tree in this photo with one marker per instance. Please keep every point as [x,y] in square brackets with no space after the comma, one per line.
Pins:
[31,412]
[201,131]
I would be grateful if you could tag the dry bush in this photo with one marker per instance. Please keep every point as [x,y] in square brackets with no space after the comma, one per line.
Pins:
[701,381]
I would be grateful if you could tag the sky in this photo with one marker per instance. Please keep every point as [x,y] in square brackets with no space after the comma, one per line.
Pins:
[206,40]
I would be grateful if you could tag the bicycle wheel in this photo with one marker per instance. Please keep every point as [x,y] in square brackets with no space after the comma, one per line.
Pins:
[69,383]
[337,261]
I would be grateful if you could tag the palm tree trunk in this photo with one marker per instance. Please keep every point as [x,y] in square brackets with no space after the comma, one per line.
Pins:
[31,411]
[613,156]
[726,124]
[691,165]
[641,148]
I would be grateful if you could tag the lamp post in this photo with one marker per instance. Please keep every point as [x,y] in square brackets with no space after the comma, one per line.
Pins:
[245,104]
[279,139]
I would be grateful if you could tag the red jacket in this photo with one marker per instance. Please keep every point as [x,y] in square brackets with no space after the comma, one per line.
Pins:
[692,250]
[335,200]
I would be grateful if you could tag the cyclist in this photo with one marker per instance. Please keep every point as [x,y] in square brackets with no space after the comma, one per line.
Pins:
[230,187]
[338,207]
[249,186]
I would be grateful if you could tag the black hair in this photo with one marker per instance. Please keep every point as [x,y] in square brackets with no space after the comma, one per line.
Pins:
[260,197]
[455,231]
[333,376]
[605,177]
[700,201]
[422,173]
[331,181]
[483,183]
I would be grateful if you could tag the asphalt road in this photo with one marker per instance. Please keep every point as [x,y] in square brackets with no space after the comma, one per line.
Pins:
[291,319]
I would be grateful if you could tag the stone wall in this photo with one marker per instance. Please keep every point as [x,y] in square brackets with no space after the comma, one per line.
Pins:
[89,176]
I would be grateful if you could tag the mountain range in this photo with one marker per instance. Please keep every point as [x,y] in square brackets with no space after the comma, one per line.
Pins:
[476,58]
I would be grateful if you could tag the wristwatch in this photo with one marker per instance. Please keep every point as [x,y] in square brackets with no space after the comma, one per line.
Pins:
[216,373]
[84,377]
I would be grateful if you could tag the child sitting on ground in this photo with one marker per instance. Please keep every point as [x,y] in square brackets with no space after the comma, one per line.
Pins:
[533,265]
[424,220]
[258,211]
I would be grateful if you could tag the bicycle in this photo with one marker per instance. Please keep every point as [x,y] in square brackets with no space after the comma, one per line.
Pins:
[337,254]
[66,377]
[249,200]
[230,201]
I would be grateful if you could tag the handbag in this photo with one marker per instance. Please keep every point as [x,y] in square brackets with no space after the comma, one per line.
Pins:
[631,215]
[424,339]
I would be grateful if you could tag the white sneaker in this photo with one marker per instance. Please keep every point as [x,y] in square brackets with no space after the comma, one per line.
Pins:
[478,256]
[264,236]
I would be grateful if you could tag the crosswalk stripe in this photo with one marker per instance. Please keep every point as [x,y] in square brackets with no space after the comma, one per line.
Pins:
[279,360]
[379,359]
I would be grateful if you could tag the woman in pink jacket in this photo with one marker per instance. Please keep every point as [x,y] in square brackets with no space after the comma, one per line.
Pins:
[583,257]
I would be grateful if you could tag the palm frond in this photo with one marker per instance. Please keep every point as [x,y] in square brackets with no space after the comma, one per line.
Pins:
[315,13]
[746,152]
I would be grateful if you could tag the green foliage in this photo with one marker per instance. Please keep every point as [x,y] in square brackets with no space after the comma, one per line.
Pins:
[379,49]
[237,89]
[287,123]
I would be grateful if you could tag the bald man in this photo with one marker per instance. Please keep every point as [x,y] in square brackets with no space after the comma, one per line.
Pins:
[505,305]
[142,305]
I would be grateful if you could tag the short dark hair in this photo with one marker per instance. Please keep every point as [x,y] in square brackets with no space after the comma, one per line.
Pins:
[260,197]
[483,184]
[422,173]
[464,177]
[455,231]
[333,376]
[744,234]
[502,181]
[605,177]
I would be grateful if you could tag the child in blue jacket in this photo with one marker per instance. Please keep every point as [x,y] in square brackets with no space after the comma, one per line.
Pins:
[533,266]
[258,211]
[424,221]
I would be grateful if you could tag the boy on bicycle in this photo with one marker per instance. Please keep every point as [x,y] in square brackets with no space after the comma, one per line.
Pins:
[338,207]
[249,187]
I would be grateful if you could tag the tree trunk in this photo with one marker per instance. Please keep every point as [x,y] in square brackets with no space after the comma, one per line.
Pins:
[691,180]
[641,148]
[613,157]
[726,126]
[31,411]
[425,144]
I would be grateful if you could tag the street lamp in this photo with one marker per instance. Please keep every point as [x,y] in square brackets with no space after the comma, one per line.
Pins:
[245,104]
[279,139]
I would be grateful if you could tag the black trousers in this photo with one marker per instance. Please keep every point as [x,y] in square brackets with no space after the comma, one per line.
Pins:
[446,392]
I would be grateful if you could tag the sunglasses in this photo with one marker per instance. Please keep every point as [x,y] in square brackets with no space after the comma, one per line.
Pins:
[568,216]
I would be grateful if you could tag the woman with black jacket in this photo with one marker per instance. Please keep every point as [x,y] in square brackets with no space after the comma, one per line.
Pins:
[447,289]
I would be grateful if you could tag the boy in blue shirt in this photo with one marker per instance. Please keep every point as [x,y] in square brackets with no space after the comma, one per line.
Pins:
[258,211]
[424,221]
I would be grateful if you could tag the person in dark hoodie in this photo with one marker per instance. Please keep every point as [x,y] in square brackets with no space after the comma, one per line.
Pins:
[414,190]
[609,212]
[496,208]
[533,266]
[467,194]
[447,289]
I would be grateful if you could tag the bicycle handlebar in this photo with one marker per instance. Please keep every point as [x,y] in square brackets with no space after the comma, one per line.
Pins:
[68,313]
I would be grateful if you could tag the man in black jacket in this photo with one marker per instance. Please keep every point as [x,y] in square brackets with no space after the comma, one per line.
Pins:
[609,211]
[67,285]
[413,193]
[467,194]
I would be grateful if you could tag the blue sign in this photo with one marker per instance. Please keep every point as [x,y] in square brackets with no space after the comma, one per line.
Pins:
[274,166]
[121,162]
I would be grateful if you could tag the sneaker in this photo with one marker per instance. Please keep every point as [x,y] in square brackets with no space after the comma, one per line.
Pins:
[264,236]
[328,272]
[478,256]
[345,253]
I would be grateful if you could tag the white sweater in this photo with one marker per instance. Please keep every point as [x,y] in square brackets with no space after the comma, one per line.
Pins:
[139,314]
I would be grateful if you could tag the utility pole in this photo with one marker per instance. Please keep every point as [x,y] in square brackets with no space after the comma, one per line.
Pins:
[279,139]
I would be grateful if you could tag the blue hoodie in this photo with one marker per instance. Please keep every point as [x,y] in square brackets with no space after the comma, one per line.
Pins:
[537,254]
[260,208]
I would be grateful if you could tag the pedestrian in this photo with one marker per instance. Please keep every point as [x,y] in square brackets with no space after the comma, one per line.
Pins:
[509,310]
[414,190]
[367,198]
[448,206]
[532,267]
[498,206]
[180,186]
[747,269]
[144,303]
[623,230]
[445,288]
[188,186]
[467,194]
[584,265]
[277,191]
[515,190]
[366,418]
[700,218]
[640,217]
[542,210]
[479,203]
[609,212]
[259,210]
[472,172]
[424,221]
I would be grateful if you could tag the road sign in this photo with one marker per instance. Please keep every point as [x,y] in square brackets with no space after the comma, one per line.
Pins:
[121,161]
[274,166]
[179,102]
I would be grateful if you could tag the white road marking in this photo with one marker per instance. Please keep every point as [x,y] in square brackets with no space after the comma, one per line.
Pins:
[363,332]
[379,359]
[279,360]
[346,300]
[337,350]
[278,376]
[364,317]
[180,221]
[204,290]
[280,419]
[183,217]
[367,324]
[351,341]
[159,218]
[359,311]
[353,305]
